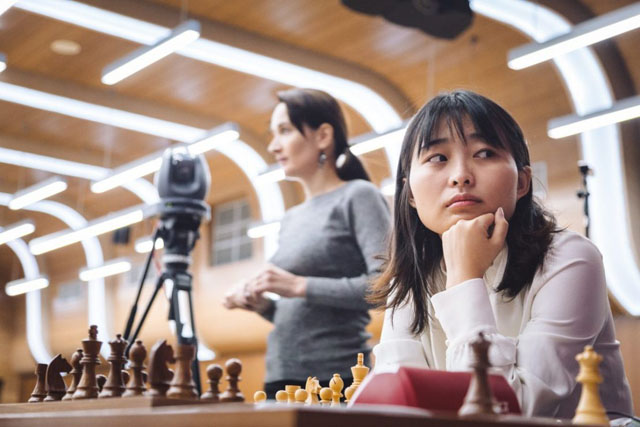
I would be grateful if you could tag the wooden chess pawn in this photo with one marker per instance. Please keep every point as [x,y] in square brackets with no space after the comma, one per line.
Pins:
[326,394]
[590,409]
[214,373]
[259,396]
[182,385]
[88,387]
[282,396]
[291,392]
[359,371]
[301,396]
[56,387]
[114,386]
[479,400]
[39,391]
[160,375]
[135,386]
[336,384]
[101,380]
[76,373]
[232,393]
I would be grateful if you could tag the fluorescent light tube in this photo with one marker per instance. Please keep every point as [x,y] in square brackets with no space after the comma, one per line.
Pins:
[374,143]
[181,36]
[144,244]
[263,230]
[22,286]
[99,226]
[583,34]
[3,60]
[15,231]
[388,187]
[272,174]
[111,268]
[149,164]
[621,111]
[37,192]
[130,171]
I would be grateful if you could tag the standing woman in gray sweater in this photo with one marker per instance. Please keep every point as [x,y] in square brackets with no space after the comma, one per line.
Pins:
[327,248]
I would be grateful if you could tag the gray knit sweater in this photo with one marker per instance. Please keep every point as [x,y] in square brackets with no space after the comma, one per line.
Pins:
[332,240]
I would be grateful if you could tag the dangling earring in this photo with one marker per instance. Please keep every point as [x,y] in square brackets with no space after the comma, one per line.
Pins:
[322,159]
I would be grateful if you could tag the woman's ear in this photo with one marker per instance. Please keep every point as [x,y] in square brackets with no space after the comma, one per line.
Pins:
[524,181]
[324,136]
[412,202]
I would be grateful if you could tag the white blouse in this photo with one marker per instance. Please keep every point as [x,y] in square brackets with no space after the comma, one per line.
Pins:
[535,336]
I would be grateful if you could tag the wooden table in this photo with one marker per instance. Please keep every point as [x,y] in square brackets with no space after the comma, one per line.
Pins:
[145,412]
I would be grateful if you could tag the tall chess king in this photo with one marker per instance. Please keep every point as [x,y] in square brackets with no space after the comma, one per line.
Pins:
[183,183]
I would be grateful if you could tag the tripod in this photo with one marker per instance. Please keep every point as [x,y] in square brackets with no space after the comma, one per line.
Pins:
[179,230]
[584,194]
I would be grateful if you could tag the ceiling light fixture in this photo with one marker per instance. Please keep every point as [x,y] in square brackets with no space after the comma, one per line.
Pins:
[573,124]
[181,36]
[110,268]
[3,62]
[582,35]
[262,230]
[99,226]
[368,143]
[37,192]
[6,5]
[16,231]
[22,286]
[144,244]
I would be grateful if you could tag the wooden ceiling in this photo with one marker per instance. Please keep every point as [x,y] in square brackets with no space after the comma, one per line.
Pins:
[323,33]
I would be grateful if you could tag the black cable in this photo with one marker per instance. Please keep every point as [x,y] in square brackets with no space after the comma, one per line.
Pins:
[622,414]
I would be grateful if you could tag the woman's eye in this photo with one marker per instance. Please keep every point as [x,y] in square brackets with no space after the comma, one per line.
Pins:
[436,158]
[483,154]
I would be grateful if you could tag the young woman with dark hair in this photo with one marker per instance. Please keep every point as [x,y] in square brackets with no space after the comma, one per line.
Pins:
[327,248]
[472,251]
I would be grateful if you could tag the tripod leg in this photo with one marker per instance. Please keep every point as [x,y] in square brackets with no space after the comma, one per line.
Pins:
[195,366]
[159,283]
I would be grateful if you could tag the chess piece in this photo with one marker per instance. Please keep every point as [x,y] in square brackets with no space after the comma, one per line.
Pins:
[232,393]
[301,396]
[160,375]
[291,392]
[326,394]
[282,396]
[358,371]
[336,384]
[76,373]
[182,385]
[114,386]
[101,380]
[590,409]
[313,388]
[135,386]
[259,396]
[88,387]
[125,376]
[479,400]
[214,373]
[56,387]
[39,391]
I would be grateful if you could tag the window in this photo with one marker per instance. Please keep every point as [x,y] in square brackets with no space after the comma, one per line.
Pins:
[229,234]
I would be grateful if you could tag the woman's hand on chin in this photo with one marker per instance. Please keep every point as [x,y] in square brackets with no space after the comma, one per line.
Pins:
[470,246]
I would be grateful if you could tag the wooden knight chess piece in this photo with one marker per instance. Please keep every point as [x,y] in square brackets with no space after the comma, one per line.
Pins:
[479,400]
[114,387]
[214,373]
[182,385]
[590,409]
[76,373]
[232,393]
[160,375]
[40,390]
[336,384]
[359,371]
[312,387]
[137,354]
[88,386]
[56,387]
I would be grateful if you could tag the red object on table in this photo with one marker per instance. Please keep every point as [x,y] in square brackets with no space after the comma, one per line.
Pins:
[428,389]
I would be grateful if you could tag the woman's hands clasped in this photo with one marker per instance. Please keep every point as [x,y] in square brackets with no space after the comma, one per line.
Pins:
[470,246]
[250,295]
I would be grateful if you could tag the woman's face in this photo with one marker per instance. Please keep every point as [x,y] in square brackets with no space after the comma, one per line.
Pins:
[454,180]
[292,150]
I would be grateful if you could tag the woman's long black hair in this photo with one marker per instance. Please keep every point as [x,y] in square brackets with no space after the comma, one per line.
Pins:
[415,252]
[312,108]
